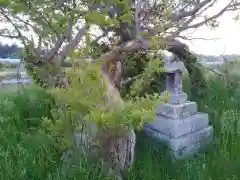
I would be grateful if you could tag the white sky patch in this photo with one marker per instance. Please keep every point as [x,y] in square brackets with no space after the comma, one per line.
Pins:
[227,35]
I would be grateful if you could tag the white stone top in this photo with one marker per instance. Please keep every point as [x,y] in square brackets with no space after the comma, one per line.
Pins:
[172,63]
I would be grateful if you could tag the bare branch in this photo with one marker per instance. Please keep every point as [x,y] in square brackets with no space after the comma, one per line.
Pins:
[105,33]
[39,44]
[69,30]
[61,38]
[234,6]
[121,50]
[197,38]
[207,7]
[117,76]
[27,23]
[137,16]
[49,56]
[42,17]
[20,36]
[221,12]
[183,14]
[72,45]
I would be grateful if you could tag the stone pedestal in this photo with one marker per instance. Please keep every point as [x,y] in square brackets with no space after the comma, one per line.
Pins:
[178,124]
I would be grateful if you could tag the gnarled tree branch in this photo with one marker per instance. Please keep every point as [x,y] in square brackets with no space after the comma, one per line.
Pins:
[72,45]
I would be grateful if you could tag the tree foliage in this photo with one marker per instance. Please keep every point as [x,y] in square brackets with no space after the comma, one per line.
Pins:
[88,96]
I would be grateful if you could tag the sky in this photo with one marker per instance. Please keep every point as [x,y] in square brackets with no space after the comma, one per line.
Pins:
[223,40]
[226,36]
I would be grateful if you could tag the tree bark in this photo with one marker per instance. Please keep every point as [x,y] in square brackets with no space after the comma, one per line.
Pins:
[117,151]
[121,150]
[117,145]
[116,148]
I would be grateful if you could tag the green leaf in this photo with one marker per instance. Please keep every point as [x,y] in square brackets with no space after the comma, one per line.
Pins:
[4,3]
[127,17]
[95,18]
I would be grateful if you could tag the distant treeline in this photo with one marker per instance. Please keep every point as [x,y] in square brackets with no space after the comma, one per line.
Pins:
[10,51]
[14,51]
[15,65]
[212,58]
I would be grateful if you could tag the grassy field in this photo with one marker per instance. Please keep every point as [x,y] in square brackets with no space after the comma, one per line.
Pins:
[26,153]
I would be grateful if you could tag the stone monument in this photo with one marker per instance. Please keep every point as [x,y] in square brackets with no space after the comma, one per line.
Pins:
[178,124]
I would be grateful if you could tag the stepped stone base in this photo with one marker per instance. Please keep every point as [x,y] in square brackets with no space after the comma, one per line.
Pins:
[177,144]
[184,130]
[185,145]
[192,149]
[178,127]
[177,111]
[176,98]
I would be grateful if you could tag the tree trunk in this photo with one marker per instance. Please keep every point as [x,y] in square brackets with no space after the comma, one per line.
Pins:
[117,145]
[118,150]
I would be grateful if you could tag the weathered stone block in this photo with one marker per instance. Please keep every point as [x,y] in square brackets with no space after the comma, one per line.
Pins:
[176,144]
[176,111]
[174,82]
[176,98]
[174,66]
[178,127]
[192,149]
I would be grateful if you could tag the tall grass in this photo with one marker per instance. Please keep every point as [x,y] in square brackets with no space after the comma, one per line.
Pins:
[26,152]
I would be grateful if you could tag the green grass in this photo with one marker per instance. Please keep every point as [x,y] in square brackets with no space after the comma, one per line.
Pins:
[27,153]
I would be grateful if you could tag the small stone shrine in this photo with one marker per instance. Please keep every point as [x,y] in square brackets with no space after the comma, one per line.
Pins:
[178,124]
